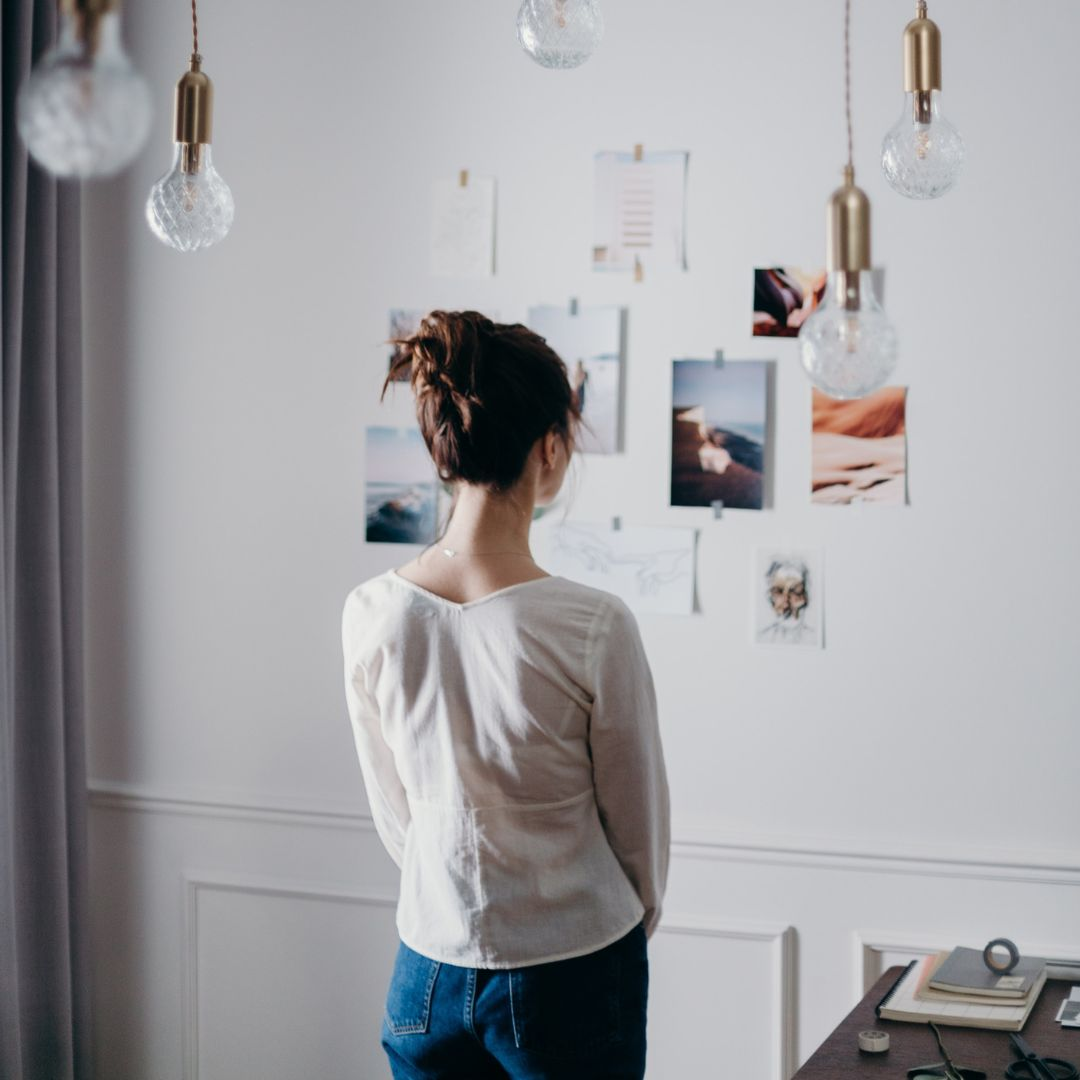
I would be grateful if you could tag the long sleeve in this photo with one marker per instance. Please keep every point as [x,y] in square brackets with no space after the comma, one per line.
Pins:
[389,803]
[627,758]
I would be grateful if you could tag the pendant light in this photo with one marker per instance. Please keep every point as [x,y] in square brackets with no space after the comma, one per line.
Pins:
[848,345]
[85,111]
[560,33]
[922,154]
[191,206]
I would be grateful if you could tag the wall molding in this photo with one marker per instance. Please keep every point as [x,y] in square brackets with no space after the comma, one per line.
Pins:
[989,864]
[779,938]
[782,1004]
[195,883]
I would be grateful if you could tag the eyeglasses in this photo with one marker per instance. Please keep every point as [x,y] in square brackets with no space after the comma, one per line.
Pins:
[946,1068]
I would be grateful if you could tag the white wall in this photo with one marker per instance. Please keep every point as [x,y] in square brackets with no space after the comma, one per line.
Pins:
[909,787]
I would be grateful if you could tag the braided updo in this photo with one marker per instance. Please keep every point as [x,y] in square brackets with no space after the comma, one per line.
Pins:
[485,392]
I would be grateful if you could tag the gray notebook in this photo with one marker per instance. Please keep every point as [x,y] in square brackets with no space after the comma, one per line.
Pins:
[965,972]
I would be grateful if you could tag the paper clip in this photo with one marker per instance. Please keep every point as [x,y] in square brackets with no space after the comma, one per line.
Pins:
[573,305]
[718,361]
[616,524]
[717,508]
[463,178]
[639,270]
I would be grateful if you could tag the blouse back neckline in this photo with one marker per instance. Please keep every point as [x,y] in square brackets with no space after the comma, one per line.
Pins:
[466,604]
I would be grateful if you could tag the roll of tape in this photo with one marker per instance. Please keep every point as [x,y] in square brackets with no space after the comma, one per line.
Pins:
[874,1042]
[995,963]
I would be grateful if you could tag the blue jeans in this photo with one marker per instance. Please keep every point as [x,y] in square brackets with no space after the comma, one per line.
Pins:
[577,1019]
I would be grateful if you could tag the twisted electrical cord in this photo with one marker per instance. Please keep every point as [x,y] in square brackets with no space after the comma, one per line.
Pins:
[847,80]
[194,30]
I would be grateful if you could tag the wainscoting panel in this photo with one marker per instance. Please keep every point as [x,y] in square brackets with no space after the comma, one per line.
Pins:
[284,980]
[702,973]
[237,939]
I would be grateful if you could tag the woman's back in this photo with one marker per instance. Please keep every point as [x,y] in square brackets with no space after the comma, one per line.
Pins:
[507,735]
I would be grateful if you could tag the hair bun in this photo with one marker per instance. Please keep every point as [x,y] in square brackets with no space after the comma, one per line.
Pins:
[484,394]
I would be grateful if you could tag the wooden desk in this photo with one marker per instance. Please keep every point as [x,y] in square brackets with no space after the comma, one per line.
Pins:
[913,1044]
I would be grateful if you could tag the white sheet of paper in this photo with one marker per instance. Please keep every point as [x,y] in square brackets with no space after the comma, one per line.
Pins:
[592,337]
[650,567]
[789,598]
[463,227]
[640,211]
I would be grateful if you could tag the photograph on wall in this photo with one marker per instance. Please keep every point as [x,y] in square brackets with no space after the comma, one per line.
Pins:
[651,568]
[589,340]
[789,598]
[719,429]
[403,324]
[401,496]
[639,211]
[784,296]
[860,449]
[463,226]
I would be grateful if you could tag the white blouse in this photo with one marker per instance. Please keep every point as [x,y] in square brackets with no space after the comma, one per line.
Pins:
[511,754]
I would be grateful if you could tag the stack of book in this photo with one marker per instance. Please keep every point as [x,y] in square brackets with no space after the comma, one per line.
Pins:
[958,988]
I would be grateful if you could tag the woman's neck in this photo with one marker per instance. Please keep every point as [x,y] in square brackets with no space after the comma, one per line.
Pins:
[485,521]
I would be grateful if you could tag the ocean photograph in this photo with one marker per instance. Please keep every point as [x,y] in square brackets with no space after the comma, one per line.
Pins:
[719,429]
[400,492]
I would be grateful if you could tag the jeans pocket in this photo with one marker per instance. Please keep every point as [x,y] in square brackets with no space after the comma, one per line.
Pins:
[568,1009]
[408,1001]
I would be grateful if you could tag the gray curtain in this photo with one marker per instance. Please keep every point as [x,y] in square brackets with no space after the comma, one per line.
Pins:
[44,985]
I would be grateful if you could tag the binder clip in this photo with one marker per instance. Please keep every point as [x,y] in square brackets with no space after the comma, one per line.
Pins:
[717,508]
[718,360]
[616,524]
[639,152]
[573,305]
[463,178]
[639,270]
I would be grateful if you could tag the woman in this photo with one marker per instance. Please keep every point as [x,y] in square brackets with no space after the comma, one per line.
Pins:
[505,722]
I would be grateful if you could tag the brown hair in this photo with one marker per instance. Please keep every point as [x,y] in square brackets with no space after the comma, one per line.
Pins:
[485,392]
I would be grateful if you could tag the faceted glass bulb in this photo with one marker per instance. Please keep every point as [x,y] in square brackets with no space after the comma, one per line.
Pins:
[848,345]
[923,153]
[190,207]
[84,111]
[560,33]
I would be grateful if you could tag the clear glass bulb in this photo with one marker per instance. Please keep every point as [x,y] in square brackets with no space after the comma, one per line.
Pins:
[190,207]
[560,33]
[922,154]
[848,345]
[84,111]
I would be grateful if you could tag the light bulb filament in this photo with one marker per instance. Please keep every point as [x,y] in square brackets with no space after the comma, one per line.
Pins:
[560,13]
[848,295]
[922,102]
[191,157]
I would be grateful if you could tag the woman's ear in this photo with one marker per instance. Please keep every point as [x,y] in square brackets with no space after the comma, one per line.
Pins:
[549,449]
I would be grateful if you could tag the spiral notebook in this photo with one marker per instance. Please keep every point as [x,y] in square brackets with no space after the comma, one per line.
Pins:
[900,1003]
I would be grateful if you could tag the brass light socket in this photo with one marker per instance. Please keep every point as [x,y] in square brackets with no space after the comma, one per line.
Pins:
[922,53]
[848,227]
[194,105]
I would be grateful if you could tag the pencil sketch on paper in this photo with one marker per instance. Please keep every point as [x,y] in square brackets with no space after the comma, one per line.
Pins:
[650,568]
[788,598]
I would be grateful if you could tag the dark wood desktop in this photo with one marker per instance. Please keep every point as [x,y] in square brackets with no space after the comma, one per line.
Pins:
[839,1056]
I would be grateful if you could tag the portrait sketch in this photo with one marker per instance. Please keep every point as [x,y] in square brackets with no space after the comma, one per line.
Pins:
[789,600]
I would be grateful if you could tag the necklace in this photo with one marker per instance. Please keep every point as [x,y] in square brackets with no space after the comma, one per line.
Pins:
[451,553]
